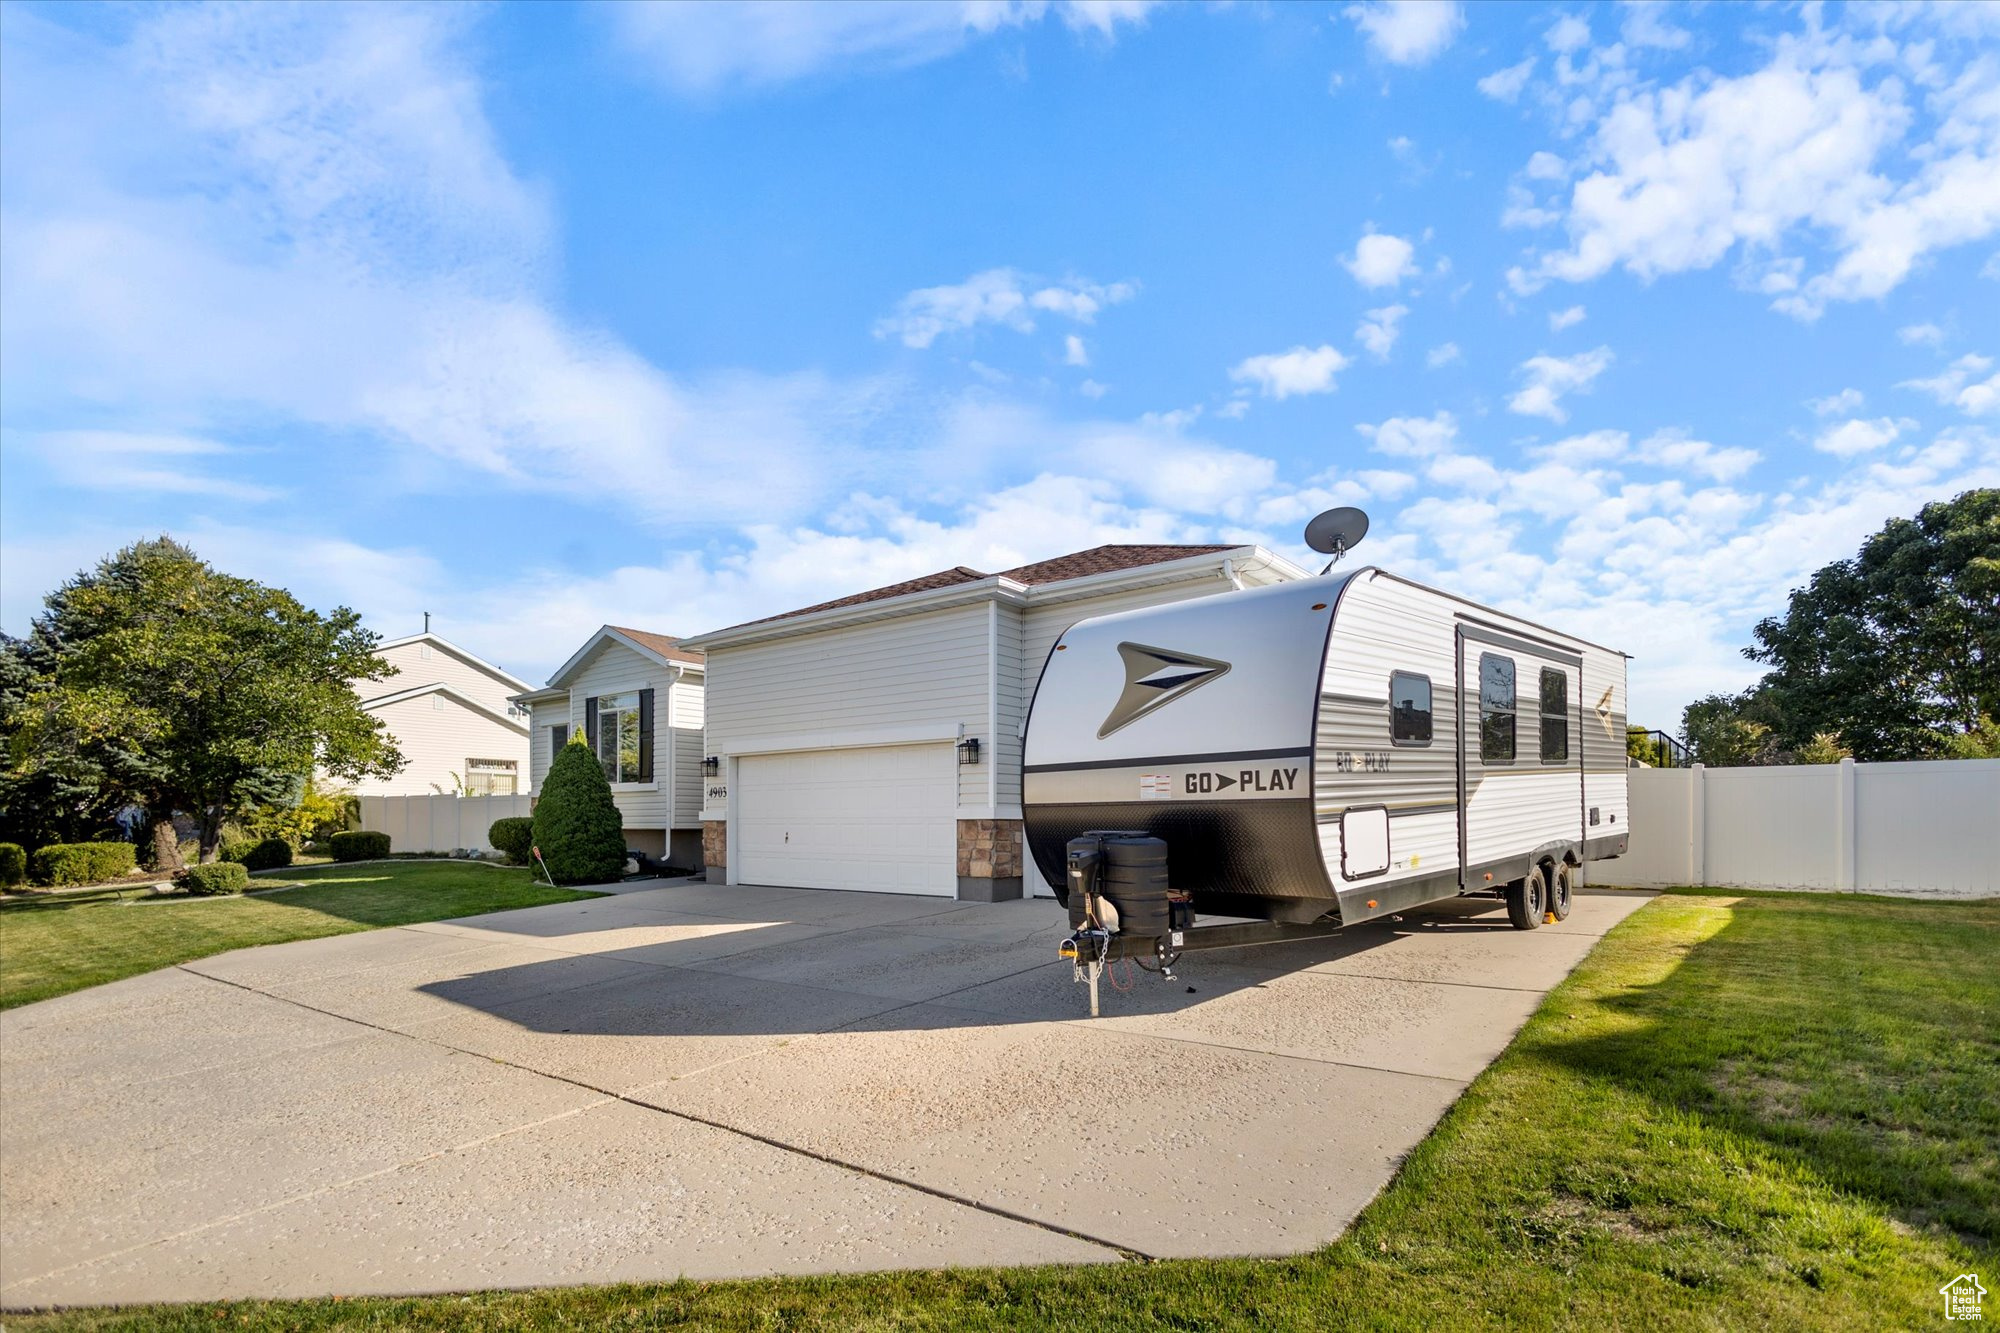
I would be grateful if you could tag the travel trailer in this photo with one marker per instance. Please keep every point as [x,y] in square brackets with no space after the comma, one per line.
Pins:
[1312,754]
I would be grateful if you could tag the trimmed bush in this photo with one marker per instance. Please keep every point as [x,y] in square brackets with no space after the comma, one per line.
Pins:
[515,837]
[13,864]
[64,863]
[265,855]
[217,878]
[356,845]
[235,849]
[577,824]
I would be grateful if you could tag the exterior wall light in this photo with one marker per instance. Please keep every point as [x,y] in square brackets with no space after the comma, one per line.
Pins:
[711,765]
[968,750]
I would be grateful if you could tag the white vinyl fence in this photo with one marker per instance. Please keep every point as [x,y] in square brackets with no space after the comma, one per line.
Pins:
[1929,829]
[438,823]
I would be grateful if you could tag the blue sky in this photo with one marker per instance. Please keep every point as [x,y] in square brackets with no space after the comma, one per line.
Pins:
[537,317]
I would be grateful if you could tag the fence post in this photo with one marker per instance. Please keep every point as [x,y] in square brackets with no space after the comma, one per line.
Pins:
[1846,828]
[1698,826]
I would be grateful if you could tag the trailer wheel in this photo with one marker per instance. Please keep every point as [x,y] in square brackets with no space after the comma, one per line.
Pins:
[1526,899]
[1562,886]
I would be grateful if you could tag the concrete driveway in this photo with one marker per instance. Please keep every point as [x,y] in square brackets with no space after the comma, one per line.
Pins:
[708,1081]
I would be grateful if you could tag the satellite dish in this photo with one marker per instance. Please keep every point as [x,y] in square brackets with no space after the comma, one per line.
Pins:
[1336,532]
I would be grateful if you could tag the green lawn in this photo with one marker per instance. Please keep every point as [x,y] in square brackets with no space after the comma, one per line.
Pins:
[1766,1111]
[52,946]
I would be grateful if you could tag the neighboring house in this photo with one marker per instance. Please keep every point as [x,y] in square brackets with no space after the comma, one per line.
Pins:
[450,715]
[636,698]
[874,742]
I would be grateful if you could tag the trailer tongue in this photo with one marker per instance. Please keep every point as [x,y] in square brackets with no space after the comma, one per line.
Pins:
[1120,907]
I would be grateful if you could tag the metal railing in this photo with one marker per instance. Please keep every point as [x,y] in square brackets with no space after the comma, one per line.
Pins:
[1659,749]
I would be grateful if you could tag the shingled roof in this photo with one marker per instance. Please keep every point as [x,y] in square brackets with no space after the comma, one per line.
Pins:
[1076,565]
[666,645]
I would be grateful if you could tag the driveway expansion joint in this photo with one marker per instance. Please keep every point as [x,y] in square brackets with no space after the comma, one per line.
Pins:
[1123,1251]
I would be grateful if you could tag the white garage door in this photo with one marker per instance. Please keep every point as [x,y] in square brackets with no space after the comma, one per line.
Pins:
[881,819]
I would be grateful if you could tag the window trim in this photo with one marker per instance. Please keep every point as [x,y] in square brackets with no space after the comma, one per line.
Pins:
[1513,712]
[1430,712]
[1560,716]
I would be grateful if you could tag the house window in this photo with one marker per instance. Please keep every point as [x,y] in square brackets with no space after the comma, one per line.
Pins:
[1555,716]
[558,737]
[1409,709]
[491,777]
[618,736]
[1496,709]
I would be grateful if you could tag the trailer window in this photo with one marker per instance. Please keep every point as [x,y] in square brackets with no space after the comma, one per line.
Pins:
[1409,709]
[1496,708]
[1555,716]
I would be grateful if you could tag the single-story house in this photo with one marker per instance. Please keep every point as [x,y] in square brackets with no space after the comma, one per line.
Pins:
[874,742]
[636,699]
[451,715]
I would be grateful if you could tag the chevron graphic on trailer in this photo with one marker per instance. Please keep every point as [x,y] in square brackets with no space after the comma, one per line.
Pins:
[1154,678]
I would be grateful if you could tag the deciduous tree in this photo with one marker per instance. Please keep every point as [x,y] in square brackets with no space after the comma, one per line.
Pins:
[184,688]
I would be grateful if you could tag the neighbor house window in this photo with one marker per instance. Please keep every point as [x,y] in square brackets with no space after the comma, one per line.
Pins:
[492,777]
[1555,716]
[620,727]
[1496,708]
[1409,709]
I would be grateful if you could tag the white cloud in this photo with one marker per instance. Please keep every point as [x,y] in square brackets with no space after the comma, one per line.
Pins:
[1957,387]
[374,270]
[1092,389]
[1407,32]
[1804,150]
[1381,260]
[1562,319]
[1677,451]
[1074,352]
[160,464]
[1545,166]
[1550,378]
[702,49]
[1835,403]
[1302,370]
[1414,437]
[1858,436]
[1926,335]
[1644,26]
[1567,34]
[1002,296]
[1377,331]
[1444,354]
[1504,85]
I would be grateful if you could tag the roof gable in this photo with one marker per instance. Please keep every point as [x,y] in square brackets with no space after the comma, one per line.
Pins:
[507,678]
[664,649]
[1108,559]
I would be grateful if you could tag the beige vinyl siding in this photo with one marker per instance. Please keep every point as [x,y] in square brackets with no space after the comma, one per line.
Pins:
[443,666]
[614,669]
[685,717]
[436,742]
[544,716]
[915,670]
[1011,707]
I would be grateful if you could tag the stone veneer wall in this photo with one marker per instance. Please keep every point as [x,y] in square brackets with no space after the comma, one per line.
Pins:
[715,849]
[989,859]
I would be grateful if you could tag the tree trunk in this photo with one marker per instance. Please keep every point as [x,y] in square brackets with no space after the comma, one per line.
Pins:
[166,844]
[211,835]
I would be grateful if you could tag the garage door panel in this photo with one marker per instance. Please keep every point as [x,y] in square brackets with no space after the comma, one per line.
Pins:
[877,818]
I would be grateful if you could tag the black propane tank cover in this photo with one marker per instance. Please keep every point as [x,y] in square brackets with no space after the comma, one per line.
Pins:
[1135,879]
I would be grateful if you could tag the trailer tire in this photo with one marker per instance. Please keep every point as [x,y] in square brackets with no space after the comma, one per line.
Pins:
[1562,888]
[1527,897]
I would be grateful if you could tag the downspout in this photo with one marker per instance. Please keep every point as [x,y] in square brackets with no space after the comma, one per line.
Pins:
[993,710]
[1230,573]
